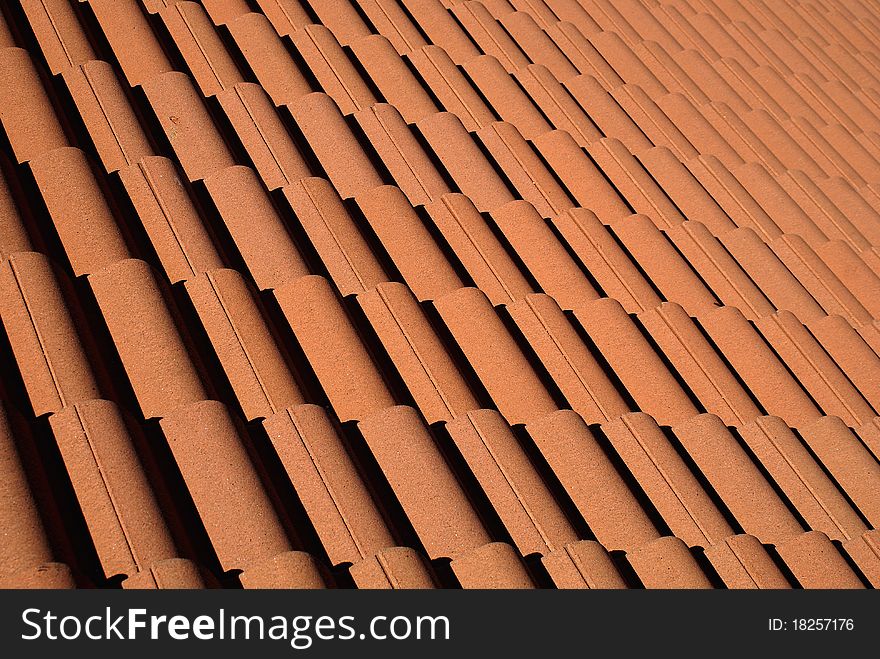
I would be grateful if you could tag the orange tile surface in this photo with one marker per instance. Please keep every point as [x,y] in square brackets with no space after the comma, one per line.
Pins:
[440,293]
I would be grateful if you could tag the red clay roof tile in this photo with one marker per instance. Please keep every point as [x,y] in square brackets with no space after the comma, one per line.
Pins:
[176,231]
[152,349]
[583,564]
[525,505]
[292,569]
[327,482]
[26,114]
[187,125]
[256,228]
[495,565]
[121,511]
[63,41]
[268,58]
[334,235]
[436,505]
[392,568]
[408,242]
[611,509]
[333,347]
[234,506]
[263,135]
[43,334]
[620,262]
[418,354]
[132,40]
[107,114]
[495,356]
[28,544]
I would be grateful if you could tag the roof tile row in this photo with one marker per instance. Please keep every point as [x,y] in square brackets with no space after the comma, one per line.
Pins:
[319,293]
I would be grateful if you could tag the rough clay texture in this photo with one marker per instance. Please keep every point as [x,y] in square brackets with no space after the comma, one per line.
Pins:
[440,293]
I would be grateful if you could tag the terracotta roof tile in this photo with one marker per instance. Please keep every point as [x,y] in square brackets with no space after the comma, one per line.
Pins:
[55,576]
[329,340]
[440,293]
[334,235]
[816,562]
[495,565]
[742,562]
[107,114]
[737,480]
[172,573]
[198,145]
[494,355]
[13,230]
[200,45]
[641,370]
[442,29]
[574,42]
[234,507]
[712,381]
[118,503]
[611,510]
[466,163]
[347,165]
[224,11]
[256,228]
[506,96]
[393,78]
[261,131]
[583,564]
[79,211]
[588,185]
[489,35]
[528,234]
[863,551]
[341,18]
[524,169]
[769,381]
[605,260]
[392,568]
[172,222]
[327,482]
[44,335]
[797,474]
[268,58]
[63,41]
[292,569]
[391,20]
[440,512]
[523,502]
[418,354]
[153,352]
[286,16]
[479,249]
[244,344]
[726,270]
[27,114]
[449,86]
[6,38]
[537,46]
[567,360]
[559,104]
[667,563]
[401,153]
[408,242]
[669,272]
[28,542]
[132,40]
[684,504]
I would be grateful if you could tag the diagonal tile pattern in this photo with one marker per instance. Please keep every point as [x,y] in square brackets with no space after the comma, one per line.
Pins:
[440,293]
